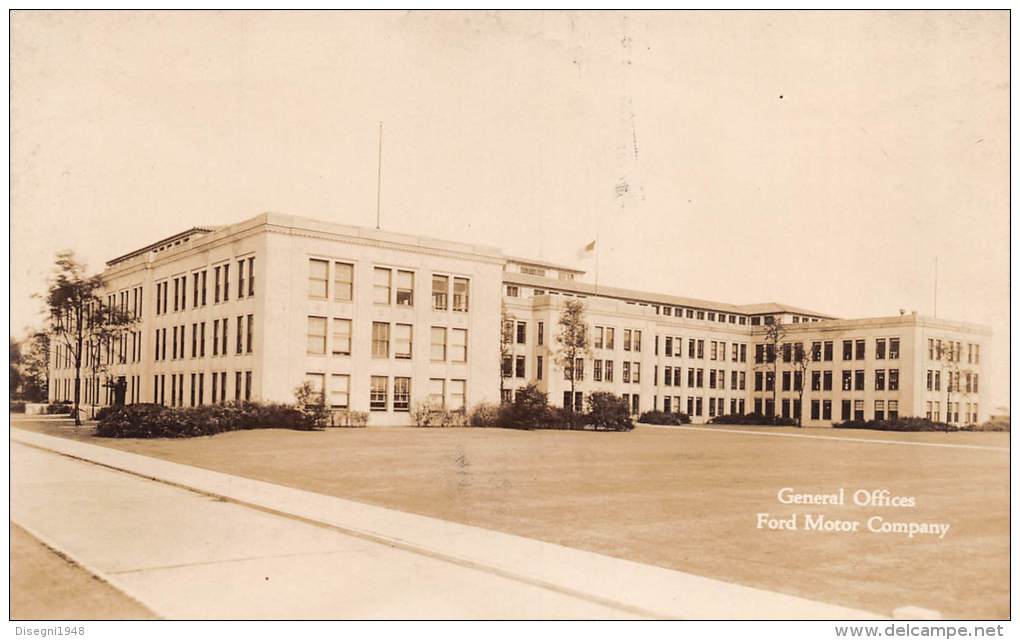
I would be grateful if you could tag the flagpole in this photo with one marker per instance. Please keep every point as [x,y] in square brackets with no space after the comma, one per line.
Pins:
[598,248]
[378,183]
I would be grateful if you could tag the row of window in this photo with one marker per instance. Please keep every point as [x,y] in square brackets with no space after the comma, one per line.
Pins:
[389,286]
[221,287]
[388,340]
[120,300]
[196,391]
[442,393]
[934,381]
[243,339]
[885,380]
[953,351]
[933,411]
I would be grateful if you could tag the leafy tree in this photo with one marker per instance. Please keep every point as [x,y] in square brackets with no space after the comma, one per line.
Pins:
[572,341]
[78,319]
[35,366]
[14,365]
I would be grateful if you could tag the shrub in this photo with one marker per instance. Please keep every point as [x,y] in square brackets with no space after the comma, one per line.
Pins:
[312,404]
[485,414]
[348,418]
[754,419]
[529,410]
[58,408]
[997,424]
[905,423]
[662,417]
[17,407]
[158,421]
[608,412]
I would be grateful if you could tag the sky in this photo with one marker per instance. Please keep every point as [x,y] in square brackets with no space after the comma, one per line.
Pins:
[821,159]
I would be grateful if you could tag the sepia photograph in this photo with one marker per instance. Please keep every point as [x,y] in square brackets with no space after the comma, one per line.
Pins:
[448,315]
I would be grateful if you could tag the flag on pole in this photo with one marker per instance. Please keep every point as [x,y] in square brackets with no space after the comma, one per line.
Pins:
[588,249]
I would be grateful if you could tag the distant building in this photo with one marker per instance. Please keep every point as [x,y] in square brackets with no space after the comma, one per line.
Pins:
[378,321]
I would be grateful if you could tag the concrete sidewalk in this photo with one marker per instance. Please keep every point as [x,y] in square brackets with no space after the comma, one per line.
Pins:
[612,585]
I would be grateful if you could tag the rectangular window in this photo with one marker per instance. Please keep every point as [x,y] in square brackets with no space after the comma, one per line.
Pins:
[458,345]
[316,335]
[538,368]
[858,410]
[378,395]
[247,385]
[249,334]
[844,410]
[460,294]
[815,407]
[541,333]
[609,370]
[380,340]
[637,340]
[847,380]
[879,379]
[519,367]
[627,339]
[880,348]
[251,276]
[194,290]
[458,395]
[437,393]
[194,339]
[401,394]
[859,380]
[340,391]
[626,372]
[894,354]
[381,285]
[318,279]
[859,349]
[598,336]
[405,295]
[226,282]
[596,373]
[341,337]
[440,292]
[848,349]
[240,278]
[402,339]
[879,408]
[610,338]
[894,410]
[343,282]
[239,340]
[438,340]
[894,380]
[522,333]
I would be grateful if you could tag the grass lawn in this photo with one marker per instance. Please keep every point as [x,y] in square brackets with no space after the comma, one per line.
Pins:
[45,586]
[677,498]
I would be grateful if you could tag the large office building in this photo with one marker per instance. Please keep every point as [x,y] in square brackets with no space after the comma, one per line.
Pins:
[378,321]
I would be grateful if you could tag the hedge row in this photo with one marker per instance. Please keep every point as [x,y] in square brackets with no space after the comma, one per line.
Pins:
[908,423]
[754,419]
[530,410]
[663,417]
[158,421]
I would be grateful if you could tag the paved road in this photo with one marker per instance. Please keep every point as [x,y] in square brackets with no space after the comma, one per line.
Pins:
[190,556]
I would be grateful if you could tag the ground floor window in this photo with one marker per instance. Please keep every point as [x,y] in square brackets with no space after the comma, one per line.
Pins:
[401,394]
[378,396]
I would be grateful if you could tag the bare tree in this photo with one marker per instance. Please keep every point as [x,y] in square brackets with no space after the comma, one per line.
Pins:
[78,319]
[801,363]
[506,346]
[572,342]
[771,339]
[946,354]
